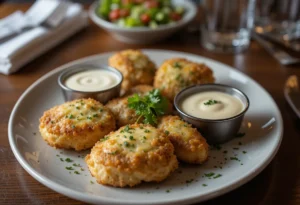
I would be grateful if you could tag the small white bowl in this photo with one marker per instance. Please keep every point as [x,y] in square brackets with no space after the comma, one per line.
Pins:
[144,35]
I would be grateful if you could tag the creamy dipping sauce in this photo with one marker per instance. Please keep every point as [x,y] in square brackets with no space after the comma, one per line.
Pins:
[92,80]
[212,105]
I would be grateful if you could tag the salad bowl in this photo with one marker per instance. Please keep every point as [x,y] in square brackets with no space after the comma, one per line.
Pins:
[144,35]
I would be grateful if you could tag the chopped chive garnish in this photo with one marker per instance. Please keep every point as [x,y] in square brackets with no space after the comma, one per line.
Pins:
[189,181]
[68,160]
[212,102]
[103,139]
[219,175]
[69,168]
[209,174]
[177,65]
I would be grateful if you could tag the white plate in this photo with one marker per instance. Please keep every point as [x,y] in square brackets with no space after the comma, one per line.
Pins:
[262,125]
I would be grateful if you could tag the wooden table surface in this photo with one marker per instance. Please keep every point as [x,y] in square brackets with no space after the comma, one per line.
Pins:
[279,183]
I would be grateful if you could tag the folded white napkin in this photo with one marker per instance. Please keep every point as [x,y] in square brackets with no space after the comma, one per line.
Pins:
[30,44]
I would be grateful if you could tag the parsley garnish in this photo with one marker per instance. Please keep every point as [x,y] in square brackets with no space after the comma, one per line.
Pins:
[76,172]
[69,168]
[68,160]
[212,102]
[76,165]
[209,174]
[189,181]
[177,65]
[127,129]
[104,139]
[150,106]
[113,153]
[219,175]
[126,144]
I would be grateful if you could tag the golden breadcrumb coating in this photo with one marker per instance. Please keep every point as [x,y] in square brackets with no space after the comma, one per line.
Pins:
[178,73]
[189,144]
[140,89]
[78,124]
[130,155]
[123,114]
[135,66]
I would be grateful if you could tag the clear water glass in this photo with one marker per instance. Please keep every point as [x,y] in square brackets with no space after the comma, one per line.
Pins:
[227,24]
[278,17]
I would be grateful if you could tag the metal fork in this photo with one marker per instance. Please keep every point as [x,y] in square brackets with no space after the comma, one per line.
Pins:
[283,57]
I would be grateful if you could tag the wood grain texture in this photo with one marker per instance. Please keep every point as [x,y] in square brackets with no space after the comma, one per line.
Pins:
[279,183]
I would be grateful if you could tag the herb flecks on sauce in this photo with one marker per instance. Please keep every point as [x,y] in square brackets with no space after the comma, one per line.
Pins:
[212,102]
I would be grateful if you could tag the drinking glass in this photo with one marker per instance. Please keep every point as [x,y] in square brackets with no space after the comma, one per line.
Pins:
[227,24]
[278,17]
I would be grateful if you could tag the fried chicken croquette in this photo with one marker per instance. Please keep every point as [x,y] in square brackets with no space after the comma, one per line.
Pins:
[122,113]
[78,124]
[178,73]
[135,66]
[130,155]
[188,143]
[140,89]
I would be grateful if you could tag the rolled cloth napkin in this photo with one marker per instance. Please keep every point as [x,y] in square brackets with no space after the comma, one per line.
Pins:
[32,43]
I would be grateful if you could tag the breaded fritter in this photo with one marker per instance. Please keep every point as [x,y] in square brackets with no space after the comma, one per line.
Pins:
[130,155]
[78,124]
[123,114]
[178,73]
[189,144]
[135,66]
[140,89]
